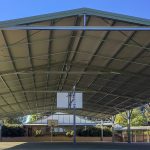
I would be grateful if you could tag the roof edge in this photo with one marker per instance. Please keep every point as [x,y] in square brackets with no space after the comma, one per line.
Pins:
[74,12]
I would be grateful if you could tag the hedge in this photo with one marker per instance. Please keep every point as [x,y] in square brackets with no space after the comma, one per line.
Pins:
[10,131]
[93,131]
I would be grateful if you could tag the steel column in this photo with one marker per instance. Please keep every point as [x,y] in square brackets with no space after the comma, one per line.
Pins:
[74,115]
[1,124]
[129,125]
[113,125]
[101,130]
[84,20]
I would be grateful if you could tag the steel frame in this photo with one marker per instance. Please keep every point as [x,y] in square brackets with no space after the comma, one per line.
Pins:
[13,63]
[63,75]
[77,28]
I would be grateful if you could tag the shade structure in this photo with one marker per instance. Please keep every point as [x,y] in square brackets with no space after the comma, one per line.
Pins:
[110,67]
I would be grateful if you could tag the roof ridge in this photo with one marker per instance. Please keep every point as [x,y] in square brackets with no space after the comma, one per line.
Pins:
[69,13]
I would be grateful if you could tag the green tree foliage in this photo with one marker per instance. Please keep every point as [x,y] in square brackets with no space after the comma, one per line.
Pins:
[34,117]
[17,120]
[137,118]
[120,119]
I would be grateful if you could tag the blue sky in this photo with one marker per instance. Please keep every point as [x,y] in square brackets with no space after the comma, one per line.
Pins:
[11,9]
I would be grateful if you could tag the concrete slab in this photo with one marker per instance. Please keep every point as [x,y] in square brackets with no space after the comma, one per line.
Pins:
[71,146]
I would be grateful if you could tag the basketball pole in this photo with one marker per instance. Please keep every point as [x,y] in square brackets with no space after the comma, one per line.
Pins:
[74,114]
[51,133]
[0,132]
[51,126]
[1,124]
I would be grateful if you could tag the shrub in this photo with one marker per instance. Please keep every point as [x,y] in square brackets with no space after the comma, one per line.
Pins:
[70,133]
[10,131]
[93,131]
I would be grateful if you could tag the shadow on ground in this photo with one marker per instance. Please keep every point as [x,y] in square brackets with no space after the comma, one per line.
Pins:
[71,146]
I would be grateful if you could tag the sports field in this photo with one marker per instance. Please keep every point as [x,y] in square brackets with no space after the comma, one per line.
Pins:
[71,146]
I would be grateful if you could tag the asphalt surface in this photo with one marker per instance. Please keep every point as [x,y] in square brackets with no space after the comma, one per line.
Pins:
[71,146]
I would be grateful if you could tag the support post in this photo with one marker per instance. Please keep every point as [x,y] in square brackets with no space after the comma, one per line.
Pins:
[132,136]
[147,136]
[84,19]
[123,136]
[27,131]
[51,133]
[143,135]
[113,125]
[129,125]
[51,126]
[101,130]
[0,133]
[135,136]
[1,124]
[74,116]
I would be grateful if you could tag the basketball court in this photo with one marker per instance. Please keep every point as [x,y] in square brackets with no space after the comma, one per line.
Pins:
[71,146]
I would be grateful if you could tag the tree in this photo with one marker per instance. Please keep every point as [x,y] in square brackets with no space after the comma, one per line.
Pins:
[120,119]
[17,120]
[137,118]
[34,117]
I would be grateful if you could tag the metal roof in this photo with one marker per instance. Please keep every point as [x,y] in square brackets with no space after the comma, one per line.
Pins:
[67,119]
[64,119]
[75,12]
[112,68]
[134,128]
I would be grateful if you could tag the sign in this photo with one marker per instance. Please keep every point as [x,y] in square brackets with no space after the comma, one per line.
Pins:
[65,100]
[53,123]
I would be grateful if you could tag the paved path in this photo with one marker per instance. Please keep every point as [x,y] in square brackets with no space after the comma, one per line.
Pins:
[70,146]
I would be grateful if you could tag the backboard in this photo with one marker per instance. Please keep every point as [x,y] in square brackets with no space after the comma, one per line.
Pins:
[65,100]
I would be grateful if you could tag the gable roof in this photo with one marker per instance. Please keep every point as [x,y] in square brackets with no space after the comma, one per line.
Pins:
[67,119]
[111,68]
[68,13]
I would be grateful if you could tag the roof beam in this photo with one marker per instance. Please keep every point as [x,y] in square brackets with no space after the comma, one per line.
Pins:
[31,60]
[15,68]
[102,70]
[32,100]
[118,51]
[74,12]
[82,34]
[51,34]
[83,91]
[95,52]
[78,90]
[146,85]
[69,48]
[79,28]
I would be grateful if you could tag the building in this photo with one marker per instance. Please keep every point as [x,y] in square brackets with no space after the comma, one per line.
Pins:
[65,123]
